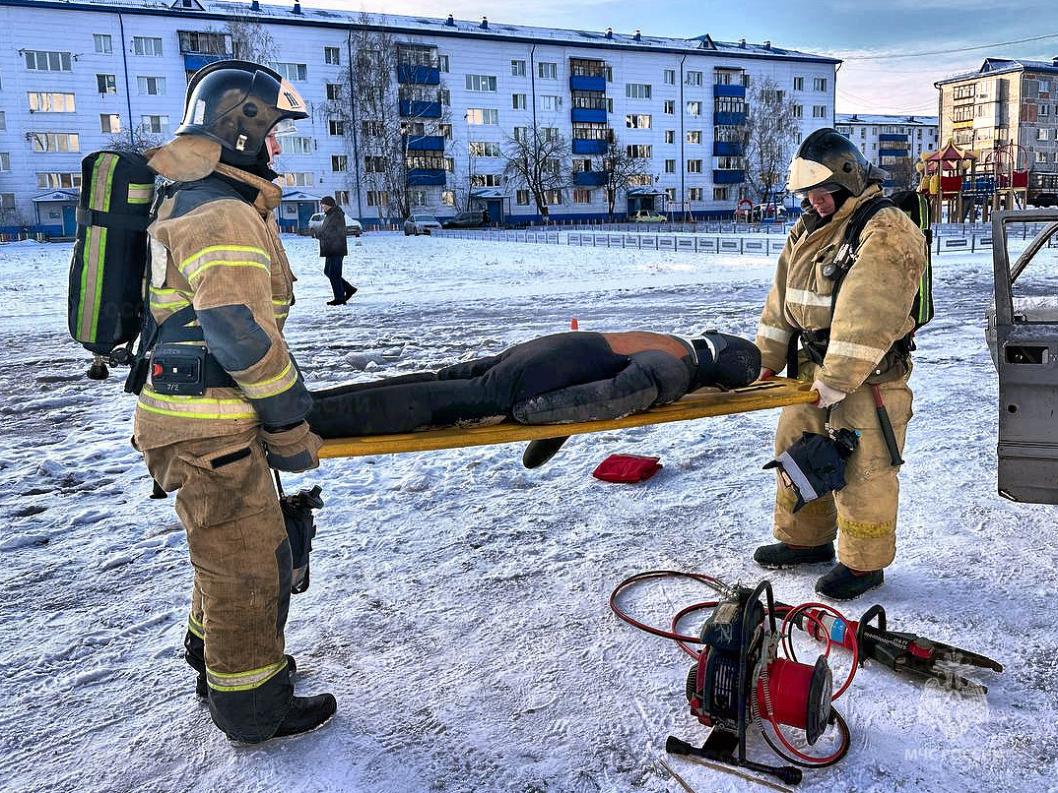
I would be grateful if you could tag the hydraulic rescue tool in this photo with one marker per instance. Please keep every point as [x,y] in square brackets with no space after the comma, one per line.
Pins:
[747,674]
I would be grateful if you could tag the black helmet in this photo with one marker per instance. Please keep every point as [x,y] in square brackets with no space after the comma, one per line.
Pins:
[725,361]
[827,159]
[237,103]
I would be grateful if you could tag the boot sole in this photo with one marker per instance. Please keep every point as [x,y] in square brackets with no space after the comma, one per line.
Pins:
[851,597]
[249,745]
[792,565]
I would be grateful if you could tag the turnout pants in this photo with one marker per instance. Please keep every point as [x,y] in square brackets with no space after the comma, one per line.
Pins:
[863,514]
[239,548]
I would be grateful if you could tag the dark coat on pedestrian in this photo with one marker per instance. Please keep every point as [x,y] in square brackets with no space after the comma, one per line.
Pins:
[331,235]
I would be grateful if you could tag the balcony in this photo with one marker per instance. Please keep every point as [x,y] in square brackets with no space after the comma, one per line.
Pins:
[726,118]
[193,61]
[589,115]
[427,177]
[584,146]
[893,152]
[589,178]
[738,91]
[584,82]
[723,148]
[891,137]
[413,108]
[416,74]
[729,177]
[426,143]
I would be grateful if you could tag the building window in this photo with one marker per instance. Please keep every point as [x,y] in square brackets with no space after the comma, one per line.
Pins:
[106,83]
[486,180]
[521,134]
[720,194]
[1042,134]
[341,198]
[47,102]
[377,198]
[483,148]
[332,56]
[669,107]
[448,198]
[819,84]
[798,111]
[104,43]
[481,82]
[694,166]
[670,136]
[694,78]
[637,90]
[819,111]
[694,136]
[155,125]
[553,197]
[547,71]
[151,86]
[5,161]
[694,194]
[639,151]
[670,77]
[637,121]
[147,45]
[54,141]
[670,194]
[518,68]
[299,179]
[442,63]
[336,127]
[417,198]
[7,202]
[298,144]
[729,163]
[1044,109]
[477,116]
[48,61]
[694,108]
[1041,156]
[374,164]
[521,198]
[799,83]
[519,102]
[55,181]
[334,92]
[3,121]
[295,72]
[109,122]
[670,166]
[550,103]
[581,196]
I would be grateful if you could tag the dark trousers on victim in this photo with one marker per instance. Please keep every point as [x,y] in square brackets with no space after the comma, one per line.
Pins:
[332,268]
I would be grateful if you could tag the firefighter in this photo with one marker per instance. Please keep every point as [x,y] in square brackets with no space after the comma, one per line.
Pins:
[862,340]
[225,402]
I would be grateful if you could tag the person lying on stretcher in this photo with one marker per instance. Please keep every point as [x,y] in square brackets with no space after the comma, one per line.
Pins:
[556,379]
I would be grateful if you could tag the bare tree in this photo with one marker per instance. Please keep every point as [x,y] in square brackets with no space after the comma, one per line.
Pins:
[539,160]
[620,171]
[251,41]
[136,140]
[768,138]
[902,172]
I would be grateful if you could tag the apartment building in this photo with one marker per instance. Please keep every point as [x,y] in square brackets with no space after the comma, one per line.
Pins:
[893,143]
[1006,101]
[79,75]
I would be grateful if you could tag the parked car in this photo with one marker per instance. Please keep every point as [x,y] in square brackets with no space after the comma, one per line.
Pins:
[421,224]
[352,225]
[648,216]
[465,220]
[762,212]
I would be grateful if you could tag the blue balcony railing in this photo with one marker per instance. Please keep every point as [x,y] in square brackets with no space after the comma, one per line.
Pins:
[426,177]
[413,74]
[426,143]
[193,61]
[579,82]
[589,178]
[890,137]
[589,146]
[728,118]
[723,148]
[729,177]
[729,90]
[588,115]
[893,153]
[411,108]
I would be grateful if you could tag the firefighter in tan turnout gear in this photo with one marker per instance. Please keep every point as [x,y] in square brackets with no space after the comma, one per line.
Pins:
[846,345]
[225,401]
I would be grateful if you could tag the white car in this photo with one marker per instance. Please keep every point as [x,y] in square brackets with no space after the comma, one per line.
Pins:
[421,224]
[352,225]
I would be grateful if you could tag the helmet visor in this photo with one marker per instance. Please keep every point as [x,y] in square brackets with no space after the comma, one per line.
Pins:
[806,174]
[283,127]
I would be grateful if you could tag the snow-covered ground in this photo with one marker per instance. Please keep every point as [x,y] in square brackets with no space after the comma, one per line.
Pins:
[458,607]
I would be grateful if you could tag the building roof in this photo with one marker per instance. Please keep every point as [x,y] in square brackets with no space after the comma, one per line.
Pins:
[63,195]
[305,15]
[872,118]
[1002,66]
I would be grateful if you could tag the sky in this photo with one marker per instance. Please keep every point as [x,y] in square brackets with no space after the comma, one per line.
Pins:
[871,36]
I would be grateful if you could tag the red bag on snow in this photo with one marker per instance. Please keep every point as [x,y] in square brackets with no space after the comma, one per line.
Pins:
[627,468]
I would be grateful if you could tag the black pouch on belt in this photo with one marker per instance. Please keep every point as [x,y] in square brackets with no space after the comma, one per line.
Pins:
[301,529]
[179,369]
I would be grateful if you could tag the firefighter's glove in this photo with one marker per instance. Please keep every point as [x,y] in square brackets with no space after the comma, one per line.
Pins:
[293,448]
[827,396]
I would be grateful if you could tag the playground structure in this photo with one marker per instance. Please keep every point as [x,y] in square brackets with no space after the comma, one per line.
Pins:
[963,187]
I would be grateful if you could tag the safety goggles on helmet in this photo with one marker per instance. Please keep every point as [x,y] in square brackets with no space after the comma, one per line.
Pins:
[826,187]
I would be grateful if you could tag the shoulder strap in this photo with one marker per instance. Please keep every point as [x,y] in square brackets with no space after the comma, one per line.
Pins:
[857,223]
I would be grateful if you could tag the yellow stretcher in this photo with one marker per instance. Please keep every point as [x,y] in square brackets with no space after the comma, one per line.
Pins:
[774,393]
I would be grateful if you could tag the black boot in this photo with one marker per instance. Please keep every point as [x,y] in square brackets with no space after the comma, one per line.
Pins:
[307,713]
[779,555]
[843,584]
[539,452]
[195,656]
[350,290]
